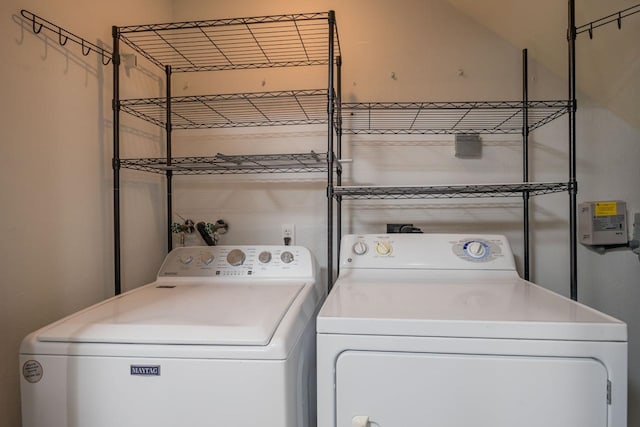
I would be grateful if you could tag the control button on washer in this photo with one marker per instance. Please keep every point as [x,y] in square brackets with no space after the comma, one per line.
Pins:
[186,260]
[286,257]
[236,257]
[206,258]
[264,257]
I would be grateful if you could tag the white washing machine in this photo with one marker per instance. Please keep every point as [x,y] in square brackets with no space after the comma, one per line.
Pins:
[224,337]
[439,330]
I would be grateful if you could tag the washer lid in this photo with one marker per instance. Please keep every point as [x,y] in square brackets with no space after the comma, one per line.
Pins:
[500,308]
[245,314]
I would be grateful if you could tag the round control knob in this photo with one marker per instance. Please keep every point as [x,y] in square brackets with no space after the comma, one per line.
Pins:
[286,257]
[384,248]
[206,258]
[236,257]
[264,257]
[476,249]
[186,259]
[360,248]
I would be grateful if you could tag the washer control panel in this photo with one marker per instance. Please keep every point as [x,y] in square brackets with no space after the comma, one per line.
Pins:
[426,251]
[240,261]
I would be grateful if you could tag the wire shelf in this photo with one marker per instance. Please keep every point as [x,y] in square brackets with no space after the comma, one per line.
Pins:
[222,164]
[238,43]
[295,107]
[449,191]
[437,118]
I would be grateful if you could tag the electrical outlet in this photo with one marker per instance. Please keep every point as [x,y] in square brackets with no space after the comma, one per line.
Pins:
[288,234]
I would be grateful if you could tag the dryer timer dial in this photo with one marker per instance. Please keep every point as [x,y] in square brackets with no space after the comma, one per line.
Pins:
[476,249]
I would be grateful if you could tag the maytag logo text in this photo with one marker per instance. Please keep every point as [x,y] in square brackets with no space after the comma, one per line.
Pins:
[145,370]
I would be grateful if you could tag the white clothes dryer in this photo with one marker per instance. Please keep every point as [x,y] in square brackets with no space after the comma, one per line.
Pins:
[439,330]
[224,337]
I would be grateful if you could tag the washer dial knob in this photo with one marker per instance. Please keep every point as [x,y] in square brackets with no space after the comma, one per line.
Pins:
[383,248]
[286,257]
[236,257]
[206,258]
[360,248]
[476,249]
[264,257]
[186,259]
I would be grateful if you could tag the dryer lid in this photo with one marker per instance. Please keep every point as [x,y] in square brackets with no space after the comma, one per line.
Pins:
[243,314]
[509,308]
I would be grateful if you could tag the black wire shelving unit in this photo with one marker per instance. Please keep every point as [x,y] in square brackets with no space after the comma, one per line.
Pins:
[468,118]
[277,41]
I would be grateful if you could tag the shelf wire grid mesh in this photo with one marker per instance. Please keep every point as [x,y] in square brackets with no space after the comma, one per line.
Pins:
[222,164]
[462,191]
[238,43]
[234,110]
[439,118]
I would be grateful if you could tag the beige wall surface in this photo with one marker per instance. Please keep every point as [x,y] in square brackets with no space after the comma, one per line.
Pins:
[56,240]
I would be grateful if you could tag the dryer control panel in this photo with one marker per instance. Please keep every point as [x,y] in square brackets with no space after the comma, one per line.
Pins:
[238,261]
[426,251]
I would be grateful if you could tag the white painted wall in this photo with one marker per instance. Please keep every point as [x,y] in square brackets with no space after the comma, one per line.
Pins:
[56,169]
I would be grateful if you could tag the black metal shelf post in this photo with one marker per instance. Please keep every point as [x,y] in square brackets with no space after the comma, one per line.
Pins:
[525,162]
[573,190]
[330,151]
[338,156]
[169,172]
[116,161]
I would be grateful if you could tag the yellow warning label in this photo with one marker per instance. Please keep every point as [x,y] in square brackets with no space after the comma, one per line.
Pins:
[606,208]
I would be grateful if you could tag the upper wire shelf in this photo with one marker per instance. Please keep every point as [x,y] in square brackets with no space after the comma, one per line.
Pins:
[463,191]
[484,117]
[292,107]
[238,43]
[222,164]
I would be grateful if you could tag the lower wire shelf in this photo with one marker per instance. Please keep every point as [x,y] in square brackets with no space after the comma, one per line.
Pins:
[232,164]
[449,191]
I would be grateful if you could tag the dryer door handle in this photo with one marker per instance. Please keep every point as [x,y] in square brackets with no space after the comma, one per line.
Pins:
[360,421]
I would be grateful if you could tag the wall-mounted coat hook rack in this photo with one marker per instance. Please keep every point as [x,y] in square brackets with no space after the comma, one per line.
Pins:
[38,23]
[614,17]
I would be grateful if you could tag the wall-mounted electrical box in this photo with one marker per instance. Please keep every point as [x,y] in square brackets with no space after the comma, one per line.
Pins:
[603,223]
[468,146]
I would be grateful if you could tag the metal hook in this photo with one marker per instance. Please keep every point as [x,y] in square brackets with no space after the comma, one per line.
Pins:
[591,31]
[103,61]
[85,53]
[33,24]
[619,20]
[66,38]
